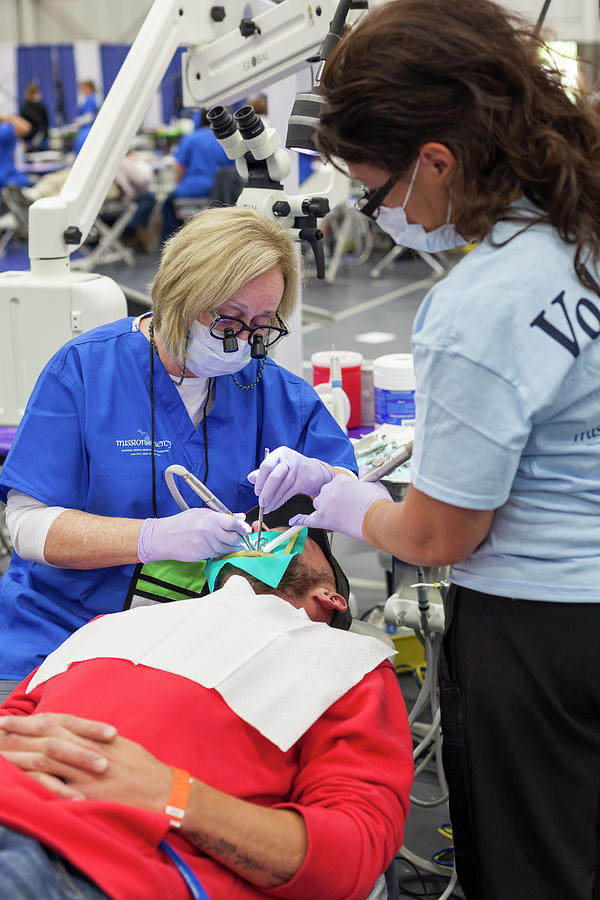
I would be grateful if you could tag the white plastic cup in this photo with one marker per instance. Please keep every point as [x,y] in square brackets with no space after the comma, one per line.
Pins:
[350,363]
[325,392]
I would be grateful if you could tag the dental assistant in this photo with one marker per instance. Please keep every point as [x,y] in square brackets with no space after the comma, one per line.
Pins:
[86,497]
[460,131]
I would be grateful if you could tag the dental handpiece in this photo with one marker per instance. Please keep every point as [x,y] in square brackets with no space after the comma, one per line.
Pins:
[212,501]
[399,456]
[199,488]
[207,495]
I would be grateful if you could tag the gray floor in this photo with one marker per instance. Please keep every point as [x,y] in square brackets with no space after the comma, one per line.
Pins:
[360,304]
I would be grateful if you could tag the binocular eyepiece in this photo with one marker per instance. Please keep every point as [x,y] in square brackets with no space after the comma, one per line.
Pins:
[248,122]
[224,124]
[221,121]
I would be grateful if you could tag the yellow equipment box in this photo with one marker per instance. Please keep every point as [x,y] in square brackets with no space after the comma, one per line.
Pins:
[409,650]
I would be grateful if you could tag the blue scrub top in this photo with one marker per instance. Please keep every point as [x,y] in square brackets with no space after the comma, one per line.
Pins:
[88,105]
[84,443]
[80,137]
[200,154]
[9,174]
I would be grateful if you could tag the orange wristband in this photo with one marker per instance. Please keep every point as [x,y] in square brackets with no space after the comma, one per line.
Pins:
[178,798]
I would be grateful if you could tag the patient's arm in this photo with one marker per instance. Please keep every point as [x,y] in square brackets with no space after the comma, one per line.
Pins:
[264,846]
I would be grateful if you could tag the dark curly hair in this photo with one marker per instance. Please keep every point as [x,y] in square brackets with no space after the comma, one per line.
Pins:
[471,76]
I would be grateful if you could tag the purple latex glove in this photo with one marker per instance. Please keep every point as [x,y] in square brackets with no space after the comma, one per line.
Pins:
[285,473]
[341,506]
[190,535]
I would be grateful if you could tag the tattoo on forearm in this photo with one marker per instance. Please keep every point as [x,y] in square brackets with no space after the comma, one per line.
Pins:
[234,858]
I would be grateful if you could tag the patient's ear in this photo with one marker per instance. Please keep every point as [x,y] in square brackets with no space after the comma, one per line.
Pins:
[330,600]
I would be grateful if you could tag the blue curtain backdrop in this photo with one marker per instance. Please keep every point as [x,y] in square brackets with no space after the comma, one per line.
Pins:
[111,60]
[170,88]
[66,82]
[53,67]
[34,63]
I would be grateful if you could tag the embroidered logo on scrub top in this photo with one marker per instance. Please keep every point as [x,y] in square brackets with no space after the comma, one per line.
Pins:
[142,445]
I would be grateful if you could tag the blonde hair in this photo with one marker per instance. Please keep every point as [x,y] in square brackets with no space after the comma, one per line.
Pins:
[212,255]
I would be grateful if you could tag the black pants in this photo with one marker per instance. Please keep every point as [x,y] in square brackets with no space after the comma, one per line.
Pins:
[520,697]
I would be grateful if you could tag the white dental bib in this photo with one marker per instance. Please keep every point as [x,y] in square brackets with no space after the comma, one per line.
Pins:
[274,667]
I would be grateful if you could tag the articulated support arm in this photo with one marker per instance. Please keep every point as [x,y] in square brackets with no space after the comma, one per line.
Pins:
[227,59]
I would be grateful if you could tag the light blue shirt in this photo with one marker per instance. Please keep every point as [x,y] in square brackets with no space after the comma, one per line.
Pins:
[507,362]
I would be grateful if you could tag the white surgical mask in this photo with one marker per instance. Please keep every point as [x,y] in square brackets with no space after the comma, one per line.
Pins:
[206,357]
[393,220]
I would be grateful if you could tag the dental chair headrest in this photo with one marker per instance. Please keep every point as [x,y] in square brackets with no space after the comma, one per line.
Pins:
[301,504]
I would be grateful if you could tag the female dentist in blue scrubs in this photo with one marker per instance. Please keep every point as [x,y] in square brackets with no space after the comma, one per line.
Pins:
[451,118]
[86,498]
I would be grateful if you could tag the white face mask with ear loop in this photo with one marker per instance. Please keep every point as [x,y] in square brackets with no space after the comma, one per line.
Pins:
[205,356]
[392,219]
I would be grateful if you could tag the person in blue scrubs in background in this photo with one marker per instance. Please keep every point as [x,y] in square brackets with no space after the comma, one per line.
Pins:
[12,129]
[87,107]
[460,129]
[86,498]
[87,110]
[198,158]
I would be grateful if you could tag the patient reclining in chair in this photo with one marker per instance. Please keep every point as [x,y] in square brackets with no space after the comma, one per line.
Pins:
[235,740]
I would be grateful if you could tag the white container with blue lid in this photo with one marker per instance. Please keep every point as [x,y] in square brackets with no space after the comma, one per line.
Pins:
[394,389]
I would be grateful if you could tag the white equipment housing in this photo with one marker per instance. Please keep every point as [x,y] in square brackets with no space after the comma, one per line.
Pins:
[38,315]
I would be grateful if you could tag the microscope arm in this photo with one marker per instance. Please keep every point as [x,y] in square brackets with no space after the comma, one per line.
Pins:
[223,64]
[58,225]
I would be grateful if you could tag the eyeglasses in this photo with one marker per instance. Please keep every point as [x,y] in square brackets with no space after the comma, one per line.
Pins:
[270,334]
[370,201]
